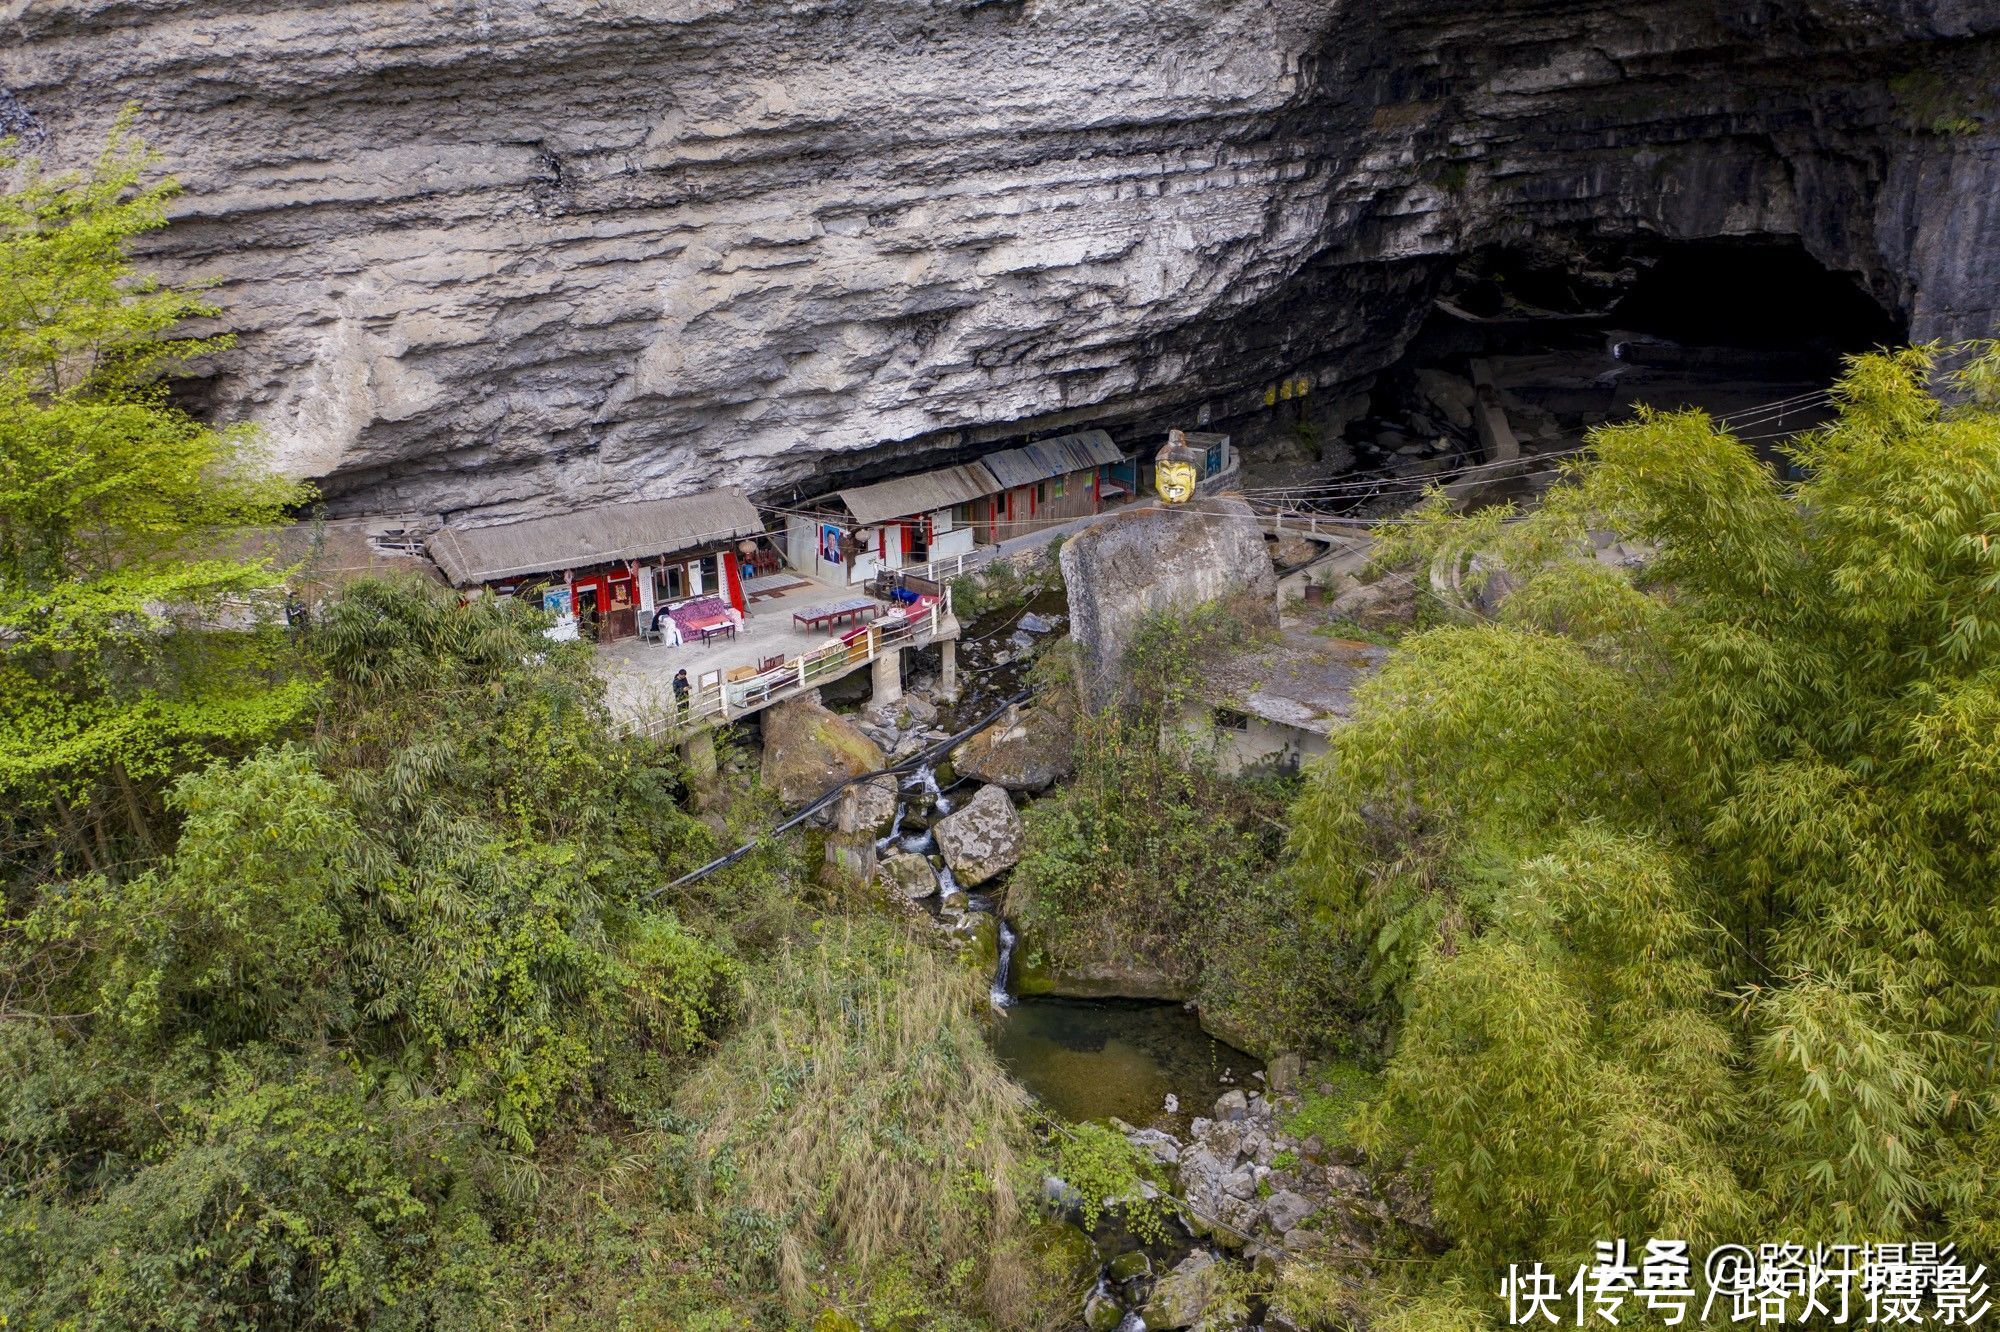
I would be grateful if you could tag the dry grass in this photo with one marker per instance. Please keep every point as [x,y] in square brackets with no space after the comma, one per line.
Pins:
[860,1109]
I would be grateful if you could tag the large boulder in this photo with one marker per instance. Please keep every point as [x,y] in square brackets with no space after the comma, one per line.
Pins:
[1284,1210]
[1029,751]
[907,877]
[866,807]
[982,839]
[809,750]
[1184,1294]
[1125,569]
[1454,398]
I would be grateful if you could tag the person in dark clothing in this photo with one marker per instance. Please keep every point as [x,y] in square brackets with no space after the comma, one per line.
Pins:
[680,693]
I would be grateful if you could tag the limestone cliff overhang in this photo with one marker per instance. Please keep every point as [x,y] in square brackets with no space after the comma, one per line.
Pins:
[610,532]
[1302,680]
[1046,458]
[926,492]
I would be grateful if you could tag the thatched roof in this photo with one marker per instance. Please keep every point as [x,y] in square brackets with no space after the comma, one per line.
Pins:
[1052,457]
[609,532]
[925,492]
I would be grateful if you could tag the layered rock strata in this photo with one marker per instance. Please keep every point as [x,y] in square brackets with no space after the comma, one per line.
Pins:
[515,258]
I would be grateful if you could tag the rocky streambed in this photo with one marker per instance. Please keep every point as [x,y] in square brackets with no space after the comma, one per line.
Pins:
[1256,1191]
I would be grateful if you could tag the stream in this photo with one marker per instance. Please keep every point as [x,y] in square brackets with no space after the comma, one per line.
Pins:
[1145,1063]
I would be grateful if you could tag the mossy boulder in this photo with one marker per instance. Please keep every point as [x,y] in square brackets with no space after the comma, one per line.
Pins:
[1101,1313]
[1066,1252]
[982,951]
[909,878]
[809,750]
[1183,1295]
[1130,1264]
[1029,751]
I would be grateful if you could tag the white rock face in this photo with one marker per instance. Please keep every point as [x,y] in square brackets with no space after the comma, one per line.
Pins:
[592,249]
[525,257]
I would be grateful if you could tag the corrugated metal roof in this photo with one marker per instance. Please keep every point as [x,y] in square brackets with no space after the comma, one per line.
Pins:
[922,493]
[591,536]
[1052,457]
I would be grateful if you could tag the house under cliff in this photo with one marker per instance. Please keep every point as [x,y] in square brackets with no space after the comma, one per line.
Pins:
[1274,703]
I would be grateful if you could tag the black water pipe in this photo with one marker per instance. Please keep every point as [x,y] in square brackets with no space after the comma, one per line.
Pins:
[908,765]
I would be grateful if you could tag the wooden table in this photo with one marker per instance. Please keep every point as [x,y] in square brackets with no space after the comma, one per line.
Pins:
[715,631]
[822,617]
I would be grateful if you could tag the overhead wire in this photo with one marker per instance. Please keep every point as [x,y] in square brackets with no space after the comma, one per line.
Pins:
[1530,467]
[1392,486]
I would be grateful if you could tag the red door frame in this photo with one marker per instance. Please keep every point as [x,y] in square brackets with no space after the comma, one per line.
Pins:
[732,579]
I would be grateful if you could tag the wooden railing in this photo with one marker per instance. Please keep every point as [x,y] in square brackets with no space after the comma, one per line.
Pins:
[729,700]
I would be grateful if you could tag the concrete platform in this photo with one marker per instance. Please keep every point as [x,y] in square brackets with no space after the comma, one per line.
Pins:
[639,676]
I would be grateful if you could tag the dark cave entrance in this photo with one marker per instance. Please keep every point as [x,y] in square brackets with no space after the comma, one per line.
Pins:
[1571,332]
[1748,295]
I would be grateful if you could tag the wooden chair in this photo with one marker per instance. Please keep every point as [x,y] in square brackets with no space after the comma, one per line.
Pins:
[770,663]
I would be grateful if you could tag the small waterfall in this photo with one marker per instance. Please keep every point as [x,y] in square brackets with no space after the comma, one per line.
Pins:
[1001,998]
[887,840]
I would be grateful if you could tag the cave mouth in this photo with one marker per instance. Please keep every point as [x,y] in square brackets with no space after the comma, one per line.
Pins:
[1574,331]
[1769,295]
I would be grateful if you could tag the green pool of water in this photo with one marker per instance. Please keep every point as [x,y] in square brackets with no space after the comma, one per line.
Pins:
[1099,1058]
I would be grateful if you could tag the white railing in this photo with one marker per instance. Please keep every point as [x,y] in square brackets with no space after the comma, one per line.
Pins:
[724,702]
[951,566]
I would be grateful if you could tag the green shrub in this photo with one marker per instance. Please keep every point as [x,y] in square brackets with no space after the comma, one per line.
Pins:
[1107,1171]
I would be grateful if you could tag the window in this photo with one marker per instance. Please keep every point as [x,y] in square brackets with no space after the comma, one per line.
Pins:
[1041,492]
[961,515]
[1058,486]
[1229,719]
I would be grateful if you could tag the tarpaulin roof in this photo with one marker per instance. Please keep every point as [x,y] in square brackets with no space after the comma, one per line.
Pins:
[923,493]
[1052,457]
[591,536]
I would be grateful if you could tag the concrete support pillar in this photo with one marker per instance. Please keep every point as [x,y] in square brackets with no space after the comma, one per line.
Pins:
[948,669]
[889,676]
[699,751]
